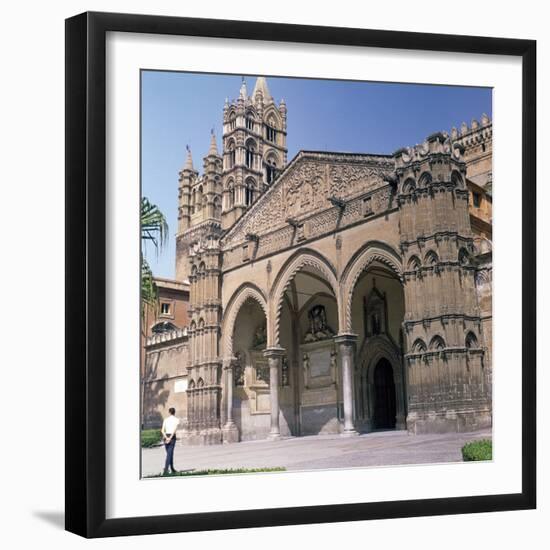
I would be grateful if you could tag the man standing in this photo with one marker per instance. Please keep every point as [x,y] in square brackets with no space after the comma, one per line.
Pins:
[169,427]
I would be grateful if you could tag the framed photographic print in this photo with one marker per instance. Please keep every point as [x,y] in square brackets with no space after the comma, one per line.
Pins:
[300,274]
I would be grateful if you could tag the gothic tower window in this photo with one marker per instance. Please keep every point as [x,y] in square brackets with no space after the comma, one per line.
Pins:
[270,169]
[250,152]
[230,194]
[217,207]
[271,134]
[232,121]
[198,204]
[271,130]
[437,343]
[231,158]
[249,122]
[249,192]
[471,340]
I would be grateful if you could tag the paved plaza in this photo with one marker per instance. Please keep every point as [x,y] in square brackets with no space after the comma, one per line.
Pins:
[318,452]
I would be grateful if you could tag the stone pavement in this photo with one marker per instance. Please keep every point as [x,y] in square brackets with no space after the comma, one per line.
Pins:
[318,452]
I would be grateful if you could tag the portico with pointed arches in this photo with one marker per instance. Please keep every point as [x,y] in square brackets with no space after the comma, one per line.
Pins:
[335,293]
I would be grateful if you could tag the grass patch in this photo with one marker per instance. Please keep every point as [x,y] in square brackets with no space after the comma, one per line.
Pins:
[150,438]
[216,472]
[478,450]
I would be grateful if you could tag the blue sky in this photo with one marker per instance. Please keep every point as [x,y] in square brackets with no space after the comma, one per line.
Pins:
[180,109]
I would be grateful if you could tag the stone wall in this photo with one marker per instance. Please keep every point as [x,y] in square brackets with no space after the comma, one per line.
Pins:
[165,380]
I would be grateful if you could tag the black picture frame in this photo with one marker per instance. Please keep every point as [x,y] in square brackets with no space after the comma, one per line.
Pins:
[86,273]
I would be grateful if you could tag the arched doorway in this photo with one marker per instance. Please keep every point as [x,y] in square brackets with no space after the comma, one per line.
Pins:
[385,410]
[376,309]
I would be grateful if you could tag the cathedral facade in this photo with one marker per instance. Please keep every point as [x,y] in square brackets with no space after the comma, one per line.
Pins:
[335,293]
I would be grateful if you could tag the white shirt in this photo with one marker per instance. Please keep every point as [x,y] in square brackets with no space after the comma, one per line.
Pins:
[170,424]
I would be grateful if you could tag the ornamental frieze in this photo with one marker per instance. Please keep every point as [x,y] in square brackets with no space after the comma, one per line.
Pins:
[315,226]
[347,180]
[305,189]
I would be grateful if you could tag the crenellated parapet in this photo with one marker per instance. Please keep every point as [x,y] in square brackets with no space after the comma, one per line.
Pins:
[477,142]
[166,338]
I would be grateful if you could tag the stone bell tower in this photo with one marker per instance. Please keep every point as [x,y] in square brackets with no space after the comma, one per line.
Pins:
[199,260]
[448,382]
[254,148]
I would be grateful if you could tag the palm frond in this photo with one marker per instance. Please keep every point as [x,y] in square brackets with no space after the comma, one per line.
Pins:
[148,286]
[154,227]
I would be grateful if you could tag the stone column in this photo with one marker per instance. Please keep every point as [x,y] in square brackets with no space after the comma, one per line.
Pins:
[274,356]
[346,345]
[230,432]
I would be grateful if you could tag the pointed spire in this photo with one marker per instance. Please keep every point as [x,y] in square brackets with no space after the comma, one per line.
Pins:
[189,161]
[261,86]
[213,145]
[242,93]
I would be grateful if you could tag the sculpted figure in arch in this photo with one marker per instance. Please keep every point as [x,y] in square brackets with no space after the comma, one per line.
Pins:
[318,326]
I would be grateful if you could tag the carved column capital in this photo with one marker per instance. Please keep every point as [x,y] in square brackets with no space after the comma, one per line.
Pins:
[274,352]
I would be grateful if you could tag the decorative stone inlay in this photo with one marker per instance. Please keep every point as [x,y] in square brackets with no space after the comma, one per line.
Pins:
[322,223]
[306,186]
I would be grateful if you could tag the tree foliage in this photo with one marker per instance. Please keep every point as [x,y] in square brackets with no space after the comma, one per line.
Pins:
[154,230]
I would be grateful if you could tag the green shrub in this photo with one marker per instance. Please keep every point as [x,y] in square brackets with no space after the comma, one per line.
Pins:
[478,450]
[150,438]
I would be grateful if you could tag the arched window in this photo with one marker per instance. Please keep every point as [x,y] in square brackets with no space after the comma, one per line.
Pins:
[193,201]
[232,121]
[431,258]
[456,179]
[249,191]
[249,121]
[424,179]
[191,385]
[409,186]
[271,169]
[217,207]
[230,194]
[198,204]
[231,157]
[463,257]
[163,326]
[419,346]
[471,340]
[200,383]
[250,153]
[414,263]
[437,343]
[271,129]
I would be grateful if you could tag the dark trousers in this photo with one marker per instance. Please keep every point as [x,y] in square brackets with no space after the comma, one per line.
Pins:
[169,455]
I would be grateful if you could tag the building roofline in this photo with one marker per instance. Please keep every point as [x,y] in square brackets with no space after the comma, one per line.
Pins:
[171,282]
[300,154]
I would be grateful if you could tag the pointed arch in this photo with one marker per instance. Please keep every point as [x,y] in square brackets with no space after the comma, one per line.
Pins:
[471,340]
[372,251]
[419,346]
[457,179]
[463,256]
[245,292]
[437,343]
[409,185]
[304,257]
[424,179]
[414,263]
[431,258]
